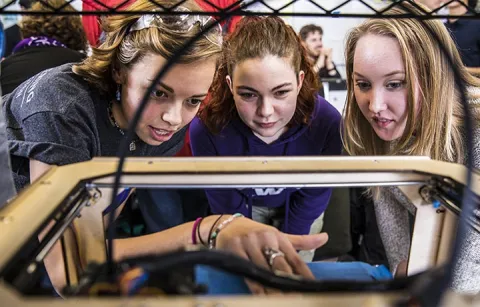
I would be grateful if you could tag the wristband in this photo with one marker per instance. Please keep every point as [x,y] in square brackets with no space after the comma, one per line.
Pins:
[194,230]
[213,238]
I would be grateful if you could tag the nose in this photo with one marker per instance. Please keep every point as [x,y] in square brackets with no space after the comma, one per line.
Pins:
[173,114]
[265,108]
[377,101]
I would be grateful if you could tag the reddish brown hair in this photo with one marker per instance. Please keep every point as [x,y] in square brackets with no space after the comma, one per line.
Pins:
[257,37]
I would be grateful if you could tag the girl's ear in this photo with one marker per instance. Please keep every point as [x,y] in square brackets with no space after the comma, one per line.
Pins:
[229,82]
[301,77]
[118,76]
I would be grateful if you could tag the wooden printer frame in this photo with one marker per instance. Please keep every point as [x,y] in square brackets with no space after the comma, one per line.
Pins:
[27,213]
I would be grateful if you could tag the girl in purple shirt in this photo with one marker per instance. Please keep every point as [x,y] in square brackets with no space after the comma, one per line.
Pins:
[264,103]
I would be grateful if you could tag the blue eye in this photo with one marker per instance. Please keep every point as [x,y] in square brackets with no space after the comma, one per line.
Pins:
[395,85]
[363,86]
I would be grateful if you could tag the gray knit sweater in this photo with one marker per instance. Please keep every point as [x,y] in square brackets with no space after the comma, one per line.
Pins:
[392,210]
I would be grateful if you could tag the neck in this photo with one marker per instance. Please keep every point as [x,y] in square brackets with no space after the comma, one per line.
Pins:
[119,117]
[458,11]
[271,139]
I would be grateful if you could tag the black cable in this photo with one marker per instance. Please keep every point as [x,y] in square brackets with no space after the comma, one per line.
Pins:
[467,204]
[65,260]
[124,145]
[246,269]
[235,9]
[440,286]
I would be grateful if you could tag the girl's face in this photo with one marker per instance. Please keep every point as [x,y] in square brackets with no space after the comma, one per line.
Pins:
[265,91]
[173,103]
[380,85]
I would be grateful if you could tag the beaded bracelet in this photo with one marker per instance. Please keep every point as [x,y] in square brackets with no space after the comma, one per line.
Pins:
[212,228]
[213,238]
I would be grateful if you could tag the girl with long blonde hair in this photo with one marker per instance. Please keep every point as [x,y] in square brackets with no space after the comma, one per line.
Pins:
[402,100]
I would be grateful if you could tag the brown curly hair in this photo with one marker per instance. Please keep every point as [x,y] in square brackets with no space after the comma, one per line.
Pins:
[257,37]
[66,29]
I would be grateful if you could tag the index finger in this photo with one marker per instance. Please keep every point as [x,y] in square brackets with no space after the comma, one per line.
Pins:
[298,265]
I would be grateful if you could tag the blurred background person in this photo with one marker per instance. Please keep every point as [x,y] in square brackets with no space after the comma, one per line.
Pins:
[466,34]
[320,55]
[12,33]
[321,58]
[431,4]
[48,41]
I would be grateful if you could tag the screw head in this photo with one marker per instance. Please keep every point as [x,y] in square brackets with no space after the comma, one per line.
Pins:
[6,219]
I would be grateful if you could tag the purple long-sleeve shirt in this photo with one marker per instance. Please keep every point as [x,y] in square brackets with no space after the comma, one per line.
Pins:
[302,206]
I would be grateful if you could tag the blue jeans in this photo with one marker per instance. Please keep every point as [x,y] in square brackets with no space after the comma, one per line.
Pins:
[221,283]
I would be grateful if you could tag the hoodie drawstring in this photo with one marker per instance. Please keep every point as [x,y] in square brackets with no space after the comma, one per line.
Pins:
[248,150]
[287,196]
[250,205]
[287,210]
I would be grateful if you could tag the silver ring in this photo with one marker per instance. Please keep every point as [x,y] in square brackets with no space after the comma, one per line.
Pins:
[271,254]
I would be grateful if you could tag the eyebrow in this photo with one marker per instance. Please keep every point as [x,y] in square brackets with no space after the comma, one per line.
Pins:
[169,89]
[243,87]
[199,95]
[387,75]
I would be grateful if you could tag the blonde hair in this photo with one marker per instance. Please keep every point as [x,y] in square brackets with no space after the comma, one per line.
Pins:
[437,129]
[122,49]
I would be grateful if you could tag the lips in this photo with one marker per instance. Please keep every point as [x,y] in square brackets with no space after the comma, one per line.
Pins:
[160,135]
[266,125]
[382,122]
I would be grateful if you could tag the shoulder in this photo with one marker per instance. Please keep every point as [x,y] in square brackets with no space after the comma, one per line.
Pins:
[199,134]
[55,90]
[324,113]
[461,27]
[472,23]
[474,101]
[199,129]
[473,93]
[197,126]
[67,54]
[201,137]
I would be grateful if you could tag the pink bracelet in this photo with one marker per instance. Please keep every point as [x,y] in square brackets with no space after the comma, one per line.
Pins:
[194,230]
